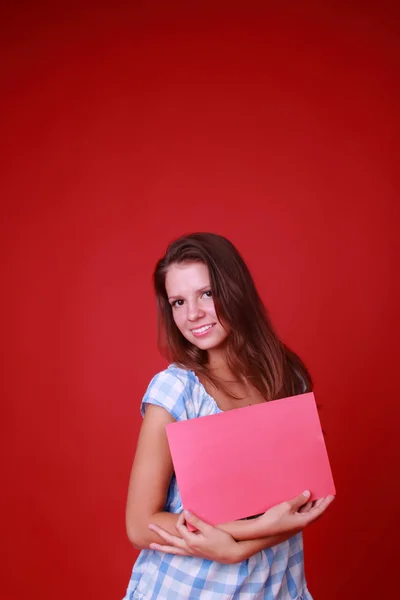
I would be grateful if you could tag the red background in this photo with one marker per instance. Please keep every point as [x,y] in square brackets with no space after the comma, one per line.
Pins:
[125,128]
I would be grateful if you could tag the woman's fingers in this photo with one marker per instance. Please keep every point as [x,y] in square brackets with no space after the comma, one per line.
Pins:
[174,544]
[306,507]
[311,504]
[319,508]
[172,540]
[204,536]
[316,503]
[169,549]
[181,519]
[299,501]
[290,507]
[189,537]
[200,525]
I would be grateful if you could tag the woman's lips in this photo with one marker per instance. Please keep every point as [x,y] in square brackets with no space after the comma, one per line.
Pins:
[203,330]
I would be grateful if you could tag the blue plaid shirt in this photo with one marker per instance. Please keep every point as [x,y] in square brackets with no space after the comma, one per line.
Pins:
[275,573]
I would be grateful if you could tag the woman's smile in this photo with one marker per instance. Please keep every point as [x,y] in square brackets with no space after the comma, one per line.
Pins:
[203,330]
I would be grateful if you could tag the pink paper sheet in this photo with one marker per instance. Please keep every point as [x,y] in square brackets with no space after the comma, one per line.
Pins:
[241,462]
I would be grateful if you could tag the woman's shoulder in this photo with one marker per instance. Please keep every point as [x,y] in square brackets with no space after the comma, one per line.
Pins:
[179,391]
[173,389]
[174,376]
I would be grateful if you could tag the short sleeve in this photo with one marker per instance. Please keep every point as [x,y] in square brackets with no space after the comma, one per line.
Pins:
[168,390]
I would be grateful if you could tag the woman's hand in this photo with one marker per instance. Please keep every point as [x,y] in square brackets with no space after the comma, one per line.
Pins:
[207,542]
[287,519]
[292,516]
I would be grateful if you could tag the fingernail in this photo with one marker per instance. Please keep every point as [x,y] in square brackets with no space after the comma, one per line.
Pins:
[306,493]
[151,527]
[187,514]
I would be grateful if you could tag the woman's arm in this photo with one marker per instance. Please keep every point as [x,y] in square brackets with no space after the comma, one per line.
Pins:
[149,481]
[289,517]
[210,542]
[251,547]
[215,543]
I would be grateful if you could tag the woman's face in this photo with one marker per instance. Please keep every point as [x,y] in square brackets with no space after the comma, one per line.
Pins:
[189,293]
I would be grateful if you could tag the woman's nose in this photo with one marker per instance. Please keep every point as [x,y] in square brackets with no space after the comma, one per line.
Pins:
[195,311]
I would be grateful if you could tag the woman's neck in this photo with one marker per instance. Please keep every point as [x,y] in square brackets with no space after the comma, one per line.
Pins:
[217,364]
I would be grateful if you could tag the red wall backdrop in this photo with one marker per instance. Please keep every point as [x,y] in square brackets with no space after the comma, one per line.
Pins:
[125,128]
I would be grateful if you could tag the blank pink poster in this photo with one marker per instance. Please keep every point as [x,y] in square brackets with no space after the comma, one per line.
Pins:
[241,462]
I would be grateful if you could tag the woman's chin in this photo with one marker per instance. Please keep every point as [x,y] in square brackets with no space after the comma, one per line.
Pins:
[210,344]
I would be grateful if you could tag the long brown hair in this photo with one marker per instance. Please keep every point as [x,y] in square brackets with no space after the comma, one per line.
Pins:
[253,349]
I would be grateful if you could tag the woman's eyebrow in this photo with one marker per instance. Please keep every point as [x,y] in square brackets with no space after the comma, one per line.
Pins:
[205,287]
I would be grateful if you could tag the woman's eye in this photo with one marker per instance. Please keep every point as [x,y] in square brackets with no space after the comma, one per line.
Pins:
[208,293]
[176,303]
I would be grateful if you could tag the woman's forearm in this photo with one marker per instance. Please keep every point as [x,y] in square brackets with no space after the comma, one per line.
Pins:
[243,530]
[250,547]
[141,536]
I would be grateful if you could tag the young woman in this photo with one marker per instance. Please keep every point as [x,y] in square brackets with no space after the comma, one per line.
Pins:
[225,355]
